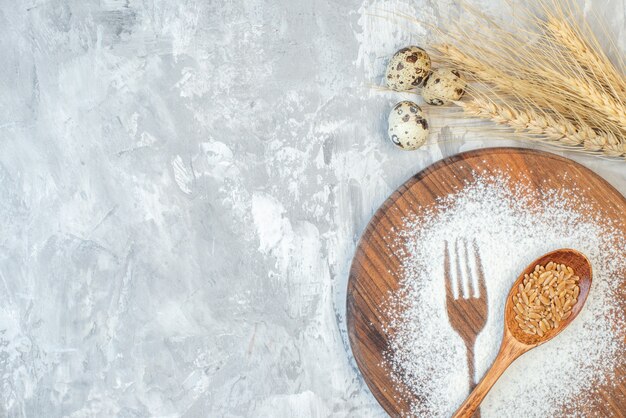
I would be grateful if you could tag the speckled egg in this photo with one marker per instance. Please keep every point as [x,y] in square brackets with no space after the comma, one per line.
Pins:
[407,68]
[407,127]
[442,86]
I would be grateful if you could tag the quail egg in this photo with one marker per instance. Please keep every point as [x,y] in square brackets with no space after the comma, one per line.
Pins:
[443,86]
[407,127]
[407,68]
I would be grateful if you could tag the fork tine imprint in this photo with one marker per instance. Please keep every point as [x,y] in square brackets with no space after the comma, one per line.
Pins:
[459,274]
[447,273]
[482,287]
[472,287]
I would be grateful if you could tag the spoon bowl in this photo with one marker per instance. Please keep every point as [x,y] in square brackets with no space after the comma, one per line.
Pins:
[582,267]
[515,341]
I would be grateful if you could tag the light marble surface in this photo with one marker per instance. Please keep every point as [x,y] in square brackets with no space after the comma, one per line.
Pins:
[182,184]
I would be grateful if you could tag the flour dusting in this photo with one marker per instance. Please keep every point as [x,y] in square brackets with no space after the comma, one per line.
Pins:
[512,226]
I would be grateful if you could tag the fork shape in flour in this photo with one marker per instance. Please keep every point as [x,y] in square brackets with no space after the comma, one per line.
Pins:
[467,307]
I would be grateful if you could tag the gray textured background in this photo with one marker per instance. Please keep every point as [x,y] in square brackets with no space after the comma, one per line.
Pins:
[182,184]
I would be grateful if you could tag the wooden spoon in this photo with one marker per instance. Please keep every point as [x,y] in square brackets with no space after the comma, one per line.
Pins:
[515,342]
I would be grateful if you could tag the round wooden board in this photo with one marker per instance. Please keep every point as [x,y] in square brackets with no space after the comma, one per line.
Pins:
[372,272]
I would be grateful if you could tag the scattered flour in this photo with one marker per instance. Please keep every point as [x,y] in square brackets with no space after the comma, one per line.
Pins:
[511,229]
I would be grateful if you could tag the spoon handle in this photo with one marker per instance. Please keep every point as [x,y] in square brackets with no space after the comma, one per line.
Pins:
[509,351]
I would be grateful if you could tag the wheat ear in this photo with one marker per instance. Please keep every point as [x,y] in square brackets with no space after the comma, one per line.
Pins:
[603,102]
[545,127]
[587,57]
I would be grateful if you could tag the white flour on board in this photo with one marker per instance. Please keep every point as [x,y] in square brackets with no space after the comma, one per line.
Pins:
[511,230]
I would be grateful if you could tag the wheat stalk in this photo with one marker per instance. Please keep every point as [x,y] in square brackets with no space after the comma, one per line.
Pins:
[494,78]
[545,127]
[574,89]
[543,78]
